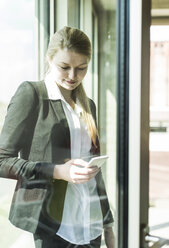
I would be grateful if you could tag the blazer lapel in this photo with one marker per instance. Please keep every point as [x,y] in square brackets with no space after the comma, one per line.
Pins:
[59,112]
[61,118]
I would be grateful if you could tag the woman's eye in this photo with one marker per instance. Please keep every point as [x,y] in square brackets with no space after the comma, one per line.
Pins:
[64,68]
[81,69]
[67,68]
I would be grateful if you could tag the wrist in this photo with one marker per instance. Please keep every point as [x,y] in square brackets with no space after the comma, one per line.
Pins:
[57,171]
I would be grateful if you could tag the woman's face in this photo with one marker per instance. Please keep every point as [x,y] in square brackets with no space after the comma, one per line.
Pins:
[68,68]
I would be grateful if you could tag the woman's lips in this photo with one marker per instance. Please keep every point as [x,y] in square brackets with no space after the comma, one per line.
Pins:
[70,82]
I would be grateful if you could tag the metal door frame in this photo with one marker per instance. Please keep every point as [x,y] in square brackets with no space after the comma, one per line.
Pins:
[122,119]
[139,122]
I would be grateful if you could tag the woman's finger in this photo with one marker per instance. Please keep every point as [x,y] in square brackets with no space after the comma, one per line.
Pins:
[84,170]
[83,180]
[80,162]
[86,177]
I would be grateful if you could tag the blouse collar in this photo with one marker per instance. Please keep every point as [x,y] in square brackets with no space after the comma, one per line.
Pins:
[54,93]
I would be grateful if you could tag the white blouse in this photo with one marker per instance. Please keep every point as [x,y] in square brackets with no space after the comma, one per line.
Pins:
[82,219]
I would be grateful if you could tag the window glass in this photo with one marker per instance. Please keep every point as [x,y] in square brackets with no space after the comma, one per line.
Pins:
[17,63]
[98,21]
[97,18]
[159,135]
[105,76]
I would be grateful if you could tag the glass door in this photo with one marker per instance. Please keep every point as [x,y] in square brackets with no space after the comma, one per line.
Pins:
[24,46]
[148,161]
[159,146]
[18,63]
[104,81]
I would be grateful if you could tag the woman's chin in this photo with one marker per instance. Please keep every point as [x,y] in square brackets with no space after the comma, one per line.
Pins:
[69,86]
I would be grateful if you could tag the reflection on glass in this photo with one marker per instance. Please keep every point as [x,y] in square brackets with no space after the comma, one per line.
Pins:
[105,12]
[17,62]
[98,20]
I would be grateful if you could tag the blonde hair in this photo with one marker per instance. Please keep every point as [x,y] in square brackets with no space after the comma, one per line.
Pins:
[77,41]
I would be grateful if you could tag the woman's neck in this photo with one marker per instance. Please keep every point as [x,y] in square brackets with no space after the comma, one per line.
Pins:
[67,94]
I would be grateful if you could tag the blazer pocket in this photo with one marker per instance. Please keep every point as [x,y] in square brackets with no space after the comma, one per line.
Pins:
[28,202]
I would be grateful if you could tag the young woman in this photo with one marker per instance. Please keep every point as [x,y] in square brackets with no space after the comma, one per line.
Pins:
[52,125]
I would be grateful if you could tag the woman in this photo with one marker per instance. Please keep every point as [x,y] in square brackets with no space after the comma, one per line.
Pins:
[52,124]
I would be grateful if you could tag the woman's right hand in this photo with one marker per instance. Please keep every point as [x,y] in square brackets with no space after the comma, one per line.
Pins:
[75,171]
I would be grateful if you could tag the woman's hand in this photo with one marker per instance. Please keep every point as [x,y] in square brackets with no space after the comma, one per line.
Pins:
[75,171]
[109,237]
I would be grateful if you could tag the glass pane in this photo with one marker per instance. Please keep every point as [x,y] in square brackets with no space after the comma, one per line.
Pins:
[105,12]
[98,20]
[17,63]
[159,135]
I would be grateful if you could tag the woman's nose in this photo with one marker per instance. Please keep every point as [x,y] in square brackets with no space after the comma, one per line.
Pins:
[72,74]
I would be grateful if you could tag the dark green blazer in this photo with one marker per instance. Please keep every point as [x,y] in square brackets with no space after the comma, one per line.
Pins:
[36,128]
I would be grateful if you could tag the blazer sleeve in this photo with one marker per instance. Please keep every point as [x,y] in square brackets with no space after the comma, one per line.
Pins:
[15,134]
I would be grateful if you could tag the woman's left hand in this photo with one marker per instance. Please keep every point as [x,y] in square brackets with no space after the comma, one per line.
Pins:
[109,237]
[75,171]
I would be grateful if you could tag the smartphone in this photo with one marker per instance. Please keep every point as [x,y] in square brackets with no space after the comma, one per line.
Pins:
[98,161]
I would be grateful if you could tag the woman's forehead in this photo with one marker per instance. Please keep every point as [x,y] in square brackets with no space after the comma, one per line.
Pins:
[69,57]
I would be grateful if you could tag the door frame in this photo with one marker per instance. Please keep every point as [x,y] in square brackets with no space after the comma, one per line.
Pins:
[123,8]
[140,19]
